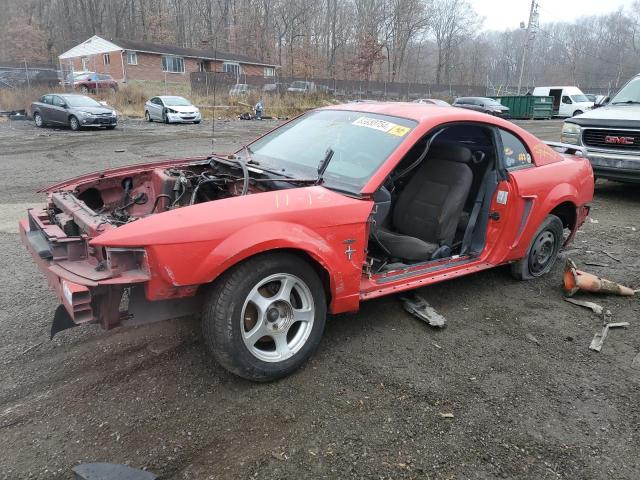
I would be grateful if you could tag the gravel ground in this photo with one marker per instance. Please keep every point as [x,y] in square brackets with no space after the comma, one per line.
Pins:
[508,390]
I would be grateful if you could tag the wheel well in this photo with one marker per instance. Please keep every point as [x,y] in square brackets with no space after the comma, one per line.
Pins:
[566,212]
[322,273]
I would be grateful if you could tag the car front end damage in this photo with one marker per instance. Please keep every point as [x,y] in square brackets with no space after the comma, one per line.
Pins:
[96,282]
[88,281]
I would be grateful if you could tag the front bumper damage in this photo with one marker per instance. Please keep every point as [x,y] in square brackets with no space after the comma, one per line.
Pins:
[623,167]
[89,291]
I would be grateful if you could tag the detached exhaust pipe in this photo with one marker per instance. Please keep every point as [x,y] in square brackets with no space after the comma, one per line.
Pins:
[576,280]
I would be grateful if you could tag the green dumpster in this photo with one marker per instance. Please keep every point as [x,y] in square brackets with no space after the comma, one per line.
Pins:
[527,106]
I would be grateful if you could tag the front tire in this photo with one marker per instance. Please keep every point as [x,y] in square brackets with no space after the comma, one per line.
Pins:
[147,116]
[74,124]
[37,119]
[577,112]
[543,251]
[84,89]
[264,318]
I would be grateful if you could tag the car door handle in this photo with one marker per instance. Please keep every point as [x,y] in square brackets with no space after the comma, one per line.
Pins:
[494,216]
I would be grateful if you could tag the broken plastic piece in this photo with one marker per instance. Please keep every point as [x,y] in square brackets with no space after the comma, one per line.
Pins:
[576,280]
[420,308]
[595,308]
[598,338]
[110,471]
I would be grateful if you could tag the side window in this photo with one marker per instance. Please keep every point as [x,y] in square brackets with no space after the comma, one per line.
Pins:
[567,100]
[46,99]
[515,153]
[57,101]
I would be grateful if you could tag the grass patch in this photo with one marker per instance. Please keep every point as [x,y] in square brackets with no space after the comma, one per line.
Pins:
[130,98]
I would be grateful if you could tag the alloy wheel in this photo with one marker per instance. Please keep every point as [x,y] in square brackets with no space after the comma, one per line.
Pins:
[277,317]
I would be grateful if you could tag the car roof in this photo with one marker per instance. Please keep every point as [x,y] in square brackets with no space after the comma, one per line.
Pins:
[170,96]
[420,112]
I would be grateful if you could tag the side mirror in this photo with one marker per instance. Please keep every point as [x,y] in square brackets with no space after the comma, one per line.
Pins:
[64,105]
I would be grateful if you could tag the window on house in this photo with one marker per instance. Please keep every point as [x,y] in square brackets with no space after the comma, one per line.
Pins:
[229,67]
[106,59]
[516,154]
[173,64]
[269,72]
[202,67]
[85,64]
[132,58]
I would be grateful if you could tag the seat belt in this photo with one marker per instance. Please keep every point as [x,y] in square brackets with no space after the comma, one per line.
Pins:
[468,233]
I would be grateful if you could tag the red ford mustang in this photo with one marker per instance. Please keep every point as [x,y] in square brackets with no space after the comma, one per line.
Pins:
[340,205]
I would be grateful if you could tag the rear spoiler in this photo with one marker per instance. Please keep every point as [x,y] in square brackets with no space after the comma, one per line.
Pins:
[568,149]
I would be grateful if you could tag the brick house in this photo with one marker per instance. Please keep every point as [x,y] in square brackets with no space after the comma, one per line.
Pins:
[128,60]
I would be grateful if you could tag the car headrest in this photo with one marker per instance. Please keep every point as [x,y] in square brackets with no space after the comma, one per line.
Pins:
[451,152]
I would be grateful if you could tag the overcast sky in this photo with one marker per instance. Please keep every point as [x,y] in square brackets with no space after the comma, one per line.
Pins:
[506,14]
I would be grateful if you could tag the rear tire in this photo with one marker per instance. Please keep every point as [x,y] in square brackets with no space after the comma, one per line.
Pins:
[264,318]
[543,251]
[74,123]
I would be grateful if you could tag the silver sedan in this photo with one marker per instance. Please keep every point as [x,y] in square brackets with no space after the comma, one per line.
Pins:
[171,109]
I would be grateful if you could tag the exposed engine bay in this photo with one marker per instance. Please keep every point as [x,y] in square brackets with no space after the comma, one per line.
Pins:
[111,201]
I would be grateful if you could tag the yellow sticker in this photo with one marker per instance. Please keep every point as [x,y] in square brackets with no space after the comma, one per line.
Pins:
[382,125]
[399,131]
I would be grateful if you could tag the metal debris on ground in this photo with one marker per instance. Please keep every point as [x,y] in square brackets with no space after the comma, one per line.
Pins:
[576,280]
[611,256]
[596,264]
[595,308]
[447,415]
[533,339]
[110,471]
[598,338]
[420,308]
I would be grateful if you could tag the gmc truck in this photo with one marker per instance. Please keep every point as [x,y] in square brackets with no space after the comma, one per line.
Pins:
[611,135]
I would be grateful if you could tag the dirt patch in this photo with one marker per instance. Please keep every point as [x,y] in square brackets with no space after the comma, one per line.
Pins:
[373,402]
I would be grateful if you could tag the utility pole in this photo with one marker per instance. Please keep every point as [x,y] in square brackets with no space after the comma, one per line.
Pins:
[532,29]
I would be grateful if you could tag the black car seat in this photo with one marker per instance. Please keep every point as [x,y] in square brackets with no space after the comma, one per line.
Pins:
[426,214]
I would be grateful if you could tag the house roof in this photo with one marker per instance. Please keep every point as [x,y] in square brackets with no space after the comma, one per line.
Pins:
[92,46]
[149,47]
[97,44]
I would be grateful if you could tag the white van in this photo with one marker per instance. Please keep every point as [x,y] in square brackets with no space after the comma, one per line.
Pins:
[567,101]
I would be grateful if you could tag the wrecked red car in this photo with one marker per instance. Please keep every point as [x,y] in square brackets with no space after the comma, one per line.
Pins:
[340,205]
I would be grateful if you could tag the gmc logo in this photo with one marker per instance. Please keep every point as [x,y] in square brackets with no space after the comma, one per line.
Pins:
[619,140]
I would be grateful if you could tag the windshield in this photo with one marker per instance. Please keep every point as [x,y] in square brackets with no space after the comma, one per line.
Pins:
[360,142]
[81,101]
[579,98]
[630,93]
[176,102]
[491,101]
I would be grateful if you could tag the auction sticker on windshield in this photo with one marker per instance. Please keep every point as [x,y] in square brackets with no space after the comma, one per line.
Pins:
[382,125]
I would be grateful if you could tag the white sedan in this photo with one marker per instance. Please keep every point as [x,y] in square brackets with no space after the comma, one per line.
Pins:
[171,109]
